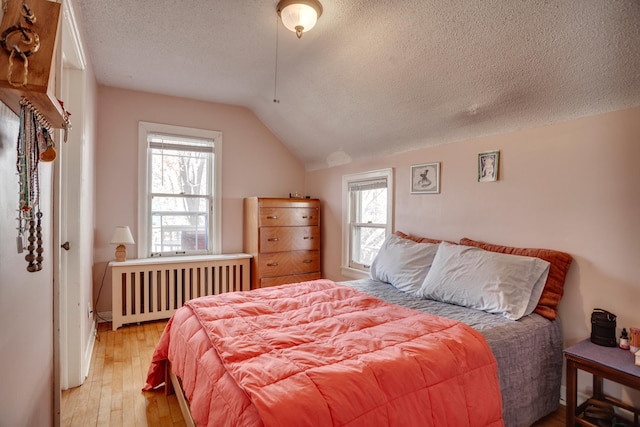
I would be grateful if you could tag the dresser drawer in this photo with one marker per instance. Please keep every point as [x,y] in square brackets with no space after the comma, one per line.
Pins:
[286,263]
[290,217]
[283,280]
[284,239]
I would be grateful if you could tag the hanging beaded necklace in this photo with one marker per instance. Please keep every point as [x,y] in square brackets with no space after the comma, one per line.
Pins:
[35,144]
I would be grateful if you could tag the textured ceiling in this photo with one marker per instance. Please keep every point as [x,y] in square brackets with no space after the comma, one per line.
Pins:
[376,77]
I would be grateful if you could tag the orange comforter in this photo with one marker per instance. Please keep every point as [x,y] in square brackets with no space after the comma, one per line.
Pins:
[321,354]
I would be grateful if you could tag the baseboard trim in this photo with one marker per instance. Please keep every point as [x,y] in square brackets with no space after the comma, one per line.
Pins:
[563,396]
[89,351]
[105,316]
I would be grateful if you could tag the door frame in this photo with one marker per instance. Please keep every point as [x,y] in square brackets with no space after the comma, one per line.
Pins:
[70,360]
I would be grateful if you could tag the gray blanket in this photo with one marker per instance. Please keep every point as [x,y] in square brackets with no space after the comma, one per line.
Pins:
[528,351]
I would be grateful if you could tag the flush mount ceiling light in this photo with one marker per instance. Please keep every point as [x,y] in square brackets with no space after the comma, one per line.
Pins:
[299,15]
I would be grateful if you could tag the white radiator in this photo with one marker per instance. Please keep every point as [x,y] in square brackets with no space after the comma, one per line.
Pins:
[154,288]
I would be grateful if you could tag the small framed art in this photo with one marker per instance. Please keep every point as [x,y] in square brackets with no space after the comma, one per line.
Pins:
[488,163]
[425,178]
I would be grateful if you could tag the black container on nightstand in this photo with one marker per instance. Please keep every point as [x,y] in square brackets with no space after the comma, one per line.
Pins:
[603,328]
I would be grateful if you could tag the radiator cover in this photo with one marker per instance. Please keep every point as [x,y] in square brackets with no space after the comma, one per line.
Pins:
[154,288]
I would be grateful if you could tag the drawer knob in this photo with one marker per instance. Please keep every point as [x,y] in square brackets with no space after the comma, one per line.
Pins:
[307,261]
[307,216]
[308,237]
[273,239]
[272,264]
[272,217]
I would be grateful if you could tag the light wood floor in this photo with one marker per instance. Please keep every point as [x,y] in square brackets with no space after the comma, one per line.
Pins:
[557,419]
[112,396]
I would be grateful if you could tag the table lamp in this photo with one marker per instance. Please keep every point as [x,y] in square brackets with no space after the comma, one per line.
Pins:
[121,237]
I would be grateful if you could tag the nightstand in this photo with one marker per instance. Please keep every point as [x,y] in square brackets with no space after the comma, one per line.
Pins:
[610,363]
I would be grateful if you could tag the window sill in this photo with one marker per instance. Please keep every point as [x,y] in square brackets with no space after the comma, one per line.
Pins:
[352,273]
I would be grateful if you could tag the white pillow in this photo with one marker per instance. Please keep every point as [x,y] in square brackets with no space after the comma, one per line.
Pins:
[490,281]
[403,263]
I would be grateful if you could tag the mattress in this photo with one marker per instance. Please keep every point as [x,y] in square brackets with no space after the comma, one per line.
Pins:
[528,351]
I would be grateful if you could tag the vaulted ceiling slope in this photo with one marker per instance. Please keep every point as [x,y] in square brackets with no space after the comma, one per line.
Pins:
[376,77]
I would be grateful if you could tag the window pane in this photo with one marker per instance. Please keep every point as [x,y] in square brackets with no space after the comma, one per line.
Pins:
[372,206]
[179,185]
[367,219]
[366,244]
[179,224]
[180,171]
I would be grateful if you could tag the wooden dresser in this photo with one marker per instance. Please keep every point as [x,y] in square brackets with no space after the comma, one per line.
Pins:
[283,236]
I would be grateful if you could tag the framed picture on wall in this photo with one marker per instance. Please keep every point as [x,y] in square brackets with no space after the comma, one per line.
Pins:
[488,163]
[425,178]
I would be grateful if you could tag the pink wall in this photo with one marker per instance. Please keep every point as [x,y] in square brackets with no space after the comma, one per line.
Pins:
[26,299]
[254,163]
[570,186]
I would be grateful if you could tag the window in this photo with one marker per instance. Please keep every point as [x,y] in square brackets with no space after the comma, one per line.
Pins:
[367,218]
[179,190]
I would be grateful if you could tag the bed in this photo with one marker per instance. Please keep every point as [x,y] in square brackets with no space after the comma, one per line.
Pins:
[484,369]
[528,352]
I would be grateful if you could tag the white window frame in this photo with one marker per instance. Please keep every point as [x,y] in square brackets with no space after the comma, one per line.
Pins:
[144,202]
[387,174]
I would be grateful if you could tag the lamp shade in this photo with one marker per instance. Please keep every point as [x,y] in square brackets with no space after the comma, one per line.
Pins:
[122,236]
[299,15]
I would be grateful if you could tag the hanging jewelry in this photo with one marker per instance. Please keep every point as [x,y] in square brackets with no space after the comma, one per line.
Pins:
[34,140]
[21,168]
[46,145]
[35,136]
[30,257]
[39,249]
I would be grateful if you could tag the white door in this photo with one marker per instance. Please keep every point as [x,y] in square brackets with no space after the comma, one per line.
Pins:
[74,326]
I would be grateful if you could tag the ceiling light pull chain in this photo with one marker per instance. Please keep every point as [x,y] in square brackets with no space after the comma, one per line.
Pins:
[275,78]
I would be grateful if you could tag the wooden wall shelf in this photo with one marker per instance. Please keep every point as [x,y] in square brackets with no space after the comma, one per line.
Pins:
[39,89]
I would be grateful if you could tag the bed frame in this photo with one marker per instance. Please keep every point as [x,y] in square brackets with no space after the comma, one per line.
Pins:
[172,385]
